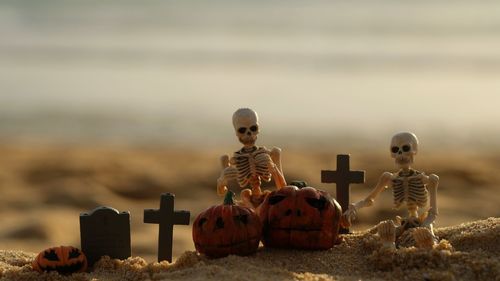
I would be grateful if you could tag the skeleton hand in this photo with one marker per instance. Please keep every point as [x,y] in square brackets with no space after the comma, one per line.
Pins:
[228,173]
[349,215]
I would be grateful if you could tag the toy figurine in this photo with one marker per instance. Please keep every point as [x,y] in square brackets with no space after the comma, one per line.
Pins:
[410,187]
[251,164]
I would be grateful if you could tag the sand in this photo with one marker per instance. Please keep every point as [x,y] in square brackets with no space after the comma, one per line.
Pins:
[467,251]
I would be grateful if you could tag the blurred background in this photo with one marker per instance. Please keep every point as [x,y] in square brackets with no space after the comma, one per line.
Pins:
[114,102]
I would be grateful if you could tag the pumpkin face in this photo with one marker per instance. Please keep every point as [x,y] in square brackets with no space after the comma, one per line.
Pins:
[304,218]
[227,229]
[63,259]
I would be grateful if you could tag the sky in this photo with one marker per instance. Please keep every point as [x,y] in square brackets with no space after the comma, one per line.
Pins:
[177,70]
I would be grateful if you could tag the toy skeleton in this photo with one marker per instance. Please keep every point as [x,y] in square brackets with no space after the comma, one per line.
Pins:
[252,164]
[410,187]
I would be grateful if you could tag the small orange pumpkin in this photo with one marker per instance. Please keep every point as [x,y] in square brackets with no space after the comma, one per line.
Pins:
[227,229]
[63,259]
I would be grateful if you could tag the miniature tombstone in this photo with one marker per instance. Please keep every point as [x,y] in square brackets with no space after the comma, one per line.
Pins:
[166,217]
[105,232]
[343,177]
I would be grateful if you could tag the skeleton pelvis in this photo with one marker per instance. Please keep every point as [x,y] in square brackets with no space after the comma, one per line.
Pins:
[411,222]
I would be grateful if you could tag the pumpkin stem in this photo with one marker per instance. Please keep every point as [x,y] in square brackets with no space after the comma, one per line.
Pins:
[299,184]
[228,199]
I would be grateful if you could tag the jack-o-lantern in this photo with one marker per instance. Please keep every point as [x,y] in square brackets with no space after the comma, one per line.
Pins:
[63,259]
[300,217]
[227,229]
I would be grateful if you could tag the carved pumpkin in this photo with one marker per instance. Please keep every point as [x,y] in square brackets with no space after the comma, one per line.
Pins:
[63,259]
[300,218]
[227,229]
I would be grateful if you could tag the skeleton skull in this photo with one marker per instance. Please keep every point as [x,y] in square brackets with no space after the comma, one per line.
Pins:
[404,147]
[246,126]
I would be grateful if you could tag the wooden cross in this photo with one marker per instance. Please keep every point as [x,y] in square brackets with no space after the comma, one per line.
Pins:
[166,217]
[343,177]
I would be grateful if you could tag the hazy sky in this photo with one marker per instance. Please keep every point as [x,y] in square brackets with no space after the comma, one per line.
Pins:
[179,69]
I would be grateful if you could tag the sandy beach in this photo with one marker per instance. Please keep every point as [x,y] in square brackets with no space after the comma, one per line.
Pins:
[466,252]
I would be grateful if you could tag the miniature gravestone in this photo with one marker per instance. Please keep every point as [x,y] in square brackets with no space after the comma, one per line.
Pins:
[343,177]
[166,217]
[105,232]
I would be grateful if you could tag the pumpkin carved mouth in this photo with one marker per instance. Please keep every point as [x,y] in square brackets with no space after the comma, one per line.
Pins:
[296,229]
[231,245]
[66,269]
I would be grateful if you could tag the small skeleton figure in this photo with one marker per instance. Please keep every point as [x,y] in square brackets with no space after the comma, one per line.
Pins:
[410,187]
[252,164]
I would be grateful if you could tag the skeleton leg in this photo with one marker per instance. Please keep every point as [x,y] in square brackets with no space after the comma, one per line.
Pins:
[387,232]
[424,238]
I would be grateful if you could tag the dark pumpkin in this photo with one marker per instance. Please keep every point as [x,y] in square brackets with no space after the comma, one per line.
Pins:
[63,259]
[227,229]
[300,218]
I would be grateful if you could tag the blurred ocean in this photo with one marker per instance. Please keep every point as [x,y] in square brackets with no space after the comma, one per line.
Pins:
[174,71]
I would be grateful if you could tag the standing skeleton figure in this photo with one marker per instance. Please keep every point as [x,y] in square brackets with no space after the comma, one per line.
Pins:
[252,164]
[410,187]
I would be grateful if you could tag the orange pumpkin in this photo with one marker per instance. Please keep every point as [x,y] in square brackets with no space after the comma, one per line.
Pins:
[300,217]
[227,229]
[63,259]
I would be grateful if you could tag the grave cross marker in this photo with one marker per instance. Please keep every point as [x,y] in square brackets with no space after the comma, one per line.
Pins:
[166,217]
[343,177]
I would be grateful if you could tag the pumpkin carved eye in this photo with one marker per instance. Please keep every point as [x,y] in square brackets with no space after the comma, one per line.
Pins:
[51,255]
[219,223]
[75,253]
[202,222]
[276,199]
[317,203]
[241,218]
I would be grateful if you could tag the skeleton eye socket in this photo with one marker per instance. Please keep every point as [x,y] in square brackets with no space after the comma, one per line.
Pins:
[406,148]
[254,128]
[394,149]
[242,130]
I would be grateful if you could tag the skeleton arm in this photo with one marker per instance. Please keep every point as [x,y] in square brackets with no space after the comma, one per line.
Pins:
[228,173]
[432,182]
[351,213]
[275,167]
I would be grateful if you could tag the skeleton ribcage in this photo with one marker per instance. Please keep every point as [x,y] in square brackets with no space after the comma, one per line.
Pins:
[252,166]
[409,189]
